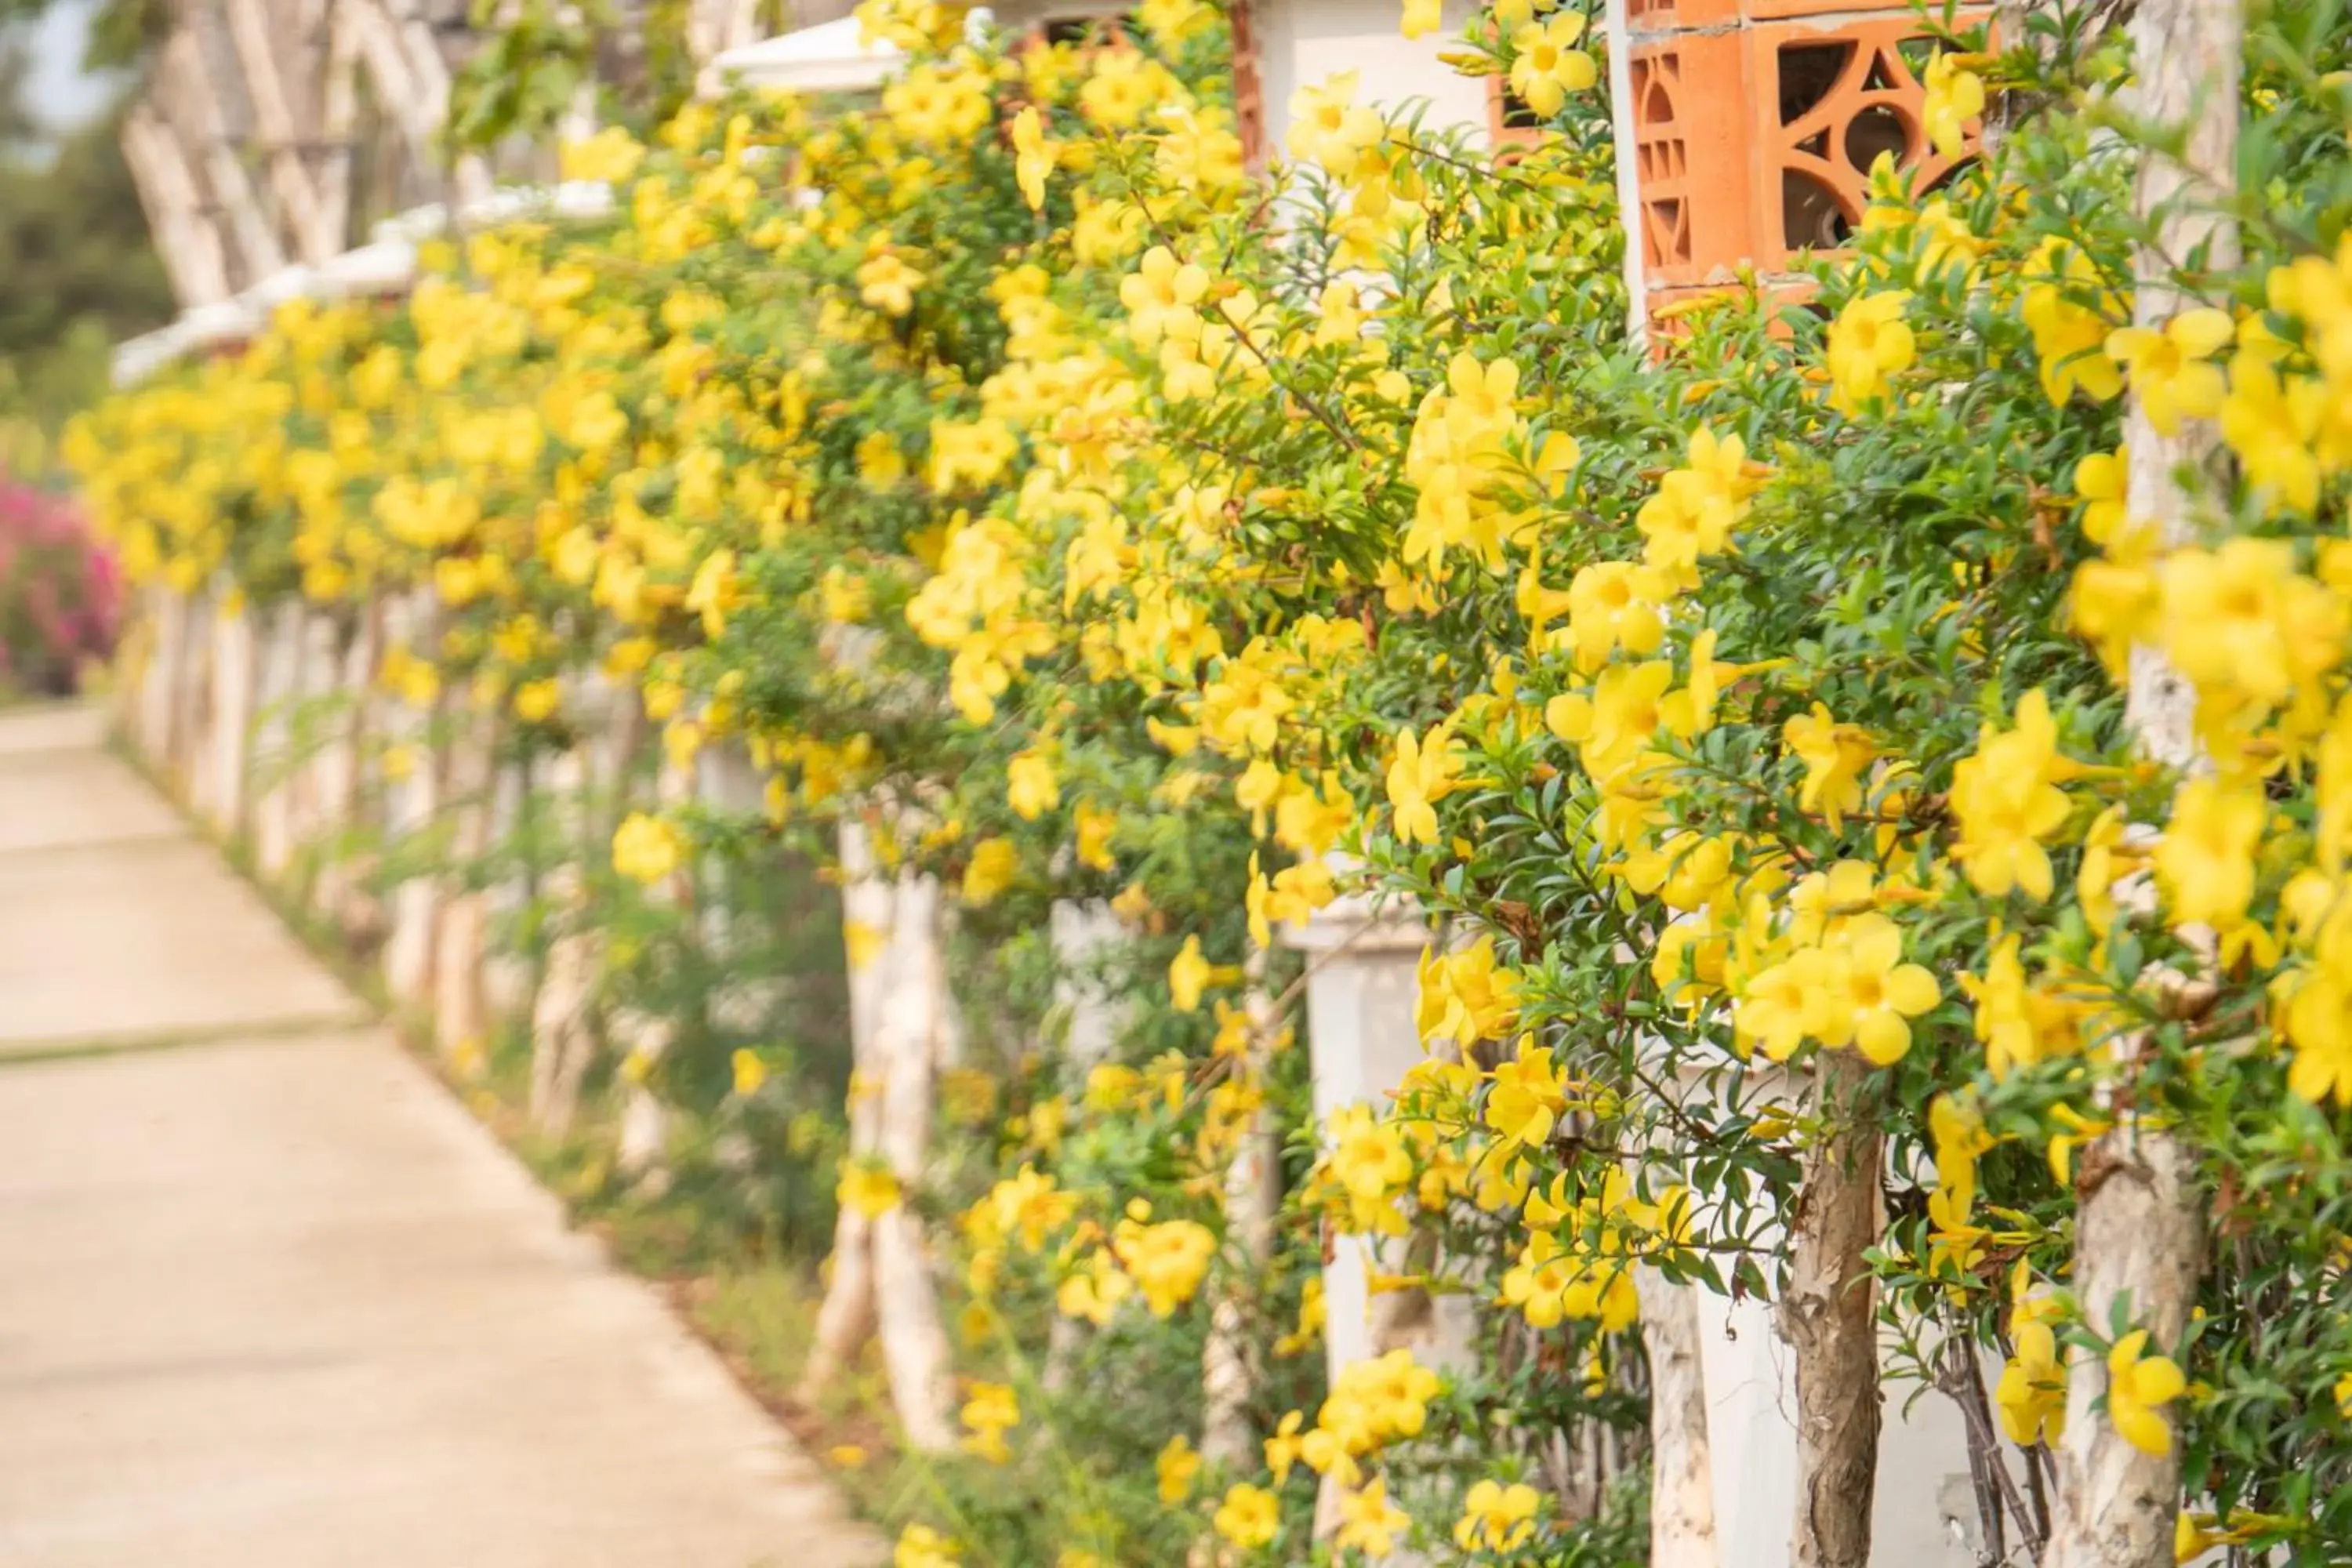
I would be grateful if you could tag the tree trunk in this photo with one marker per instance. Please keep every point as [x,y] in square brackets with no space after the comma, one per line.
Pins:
[880,1280]
[910,1028]
[562,1040]
[461,943]
[1826,1316]
[1681,1469]
[2138,1228]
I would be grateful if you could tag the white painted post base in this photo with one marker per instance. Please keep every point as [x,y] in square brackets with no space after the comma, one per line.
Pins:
[276,693]
[1360,1029]
[339,771]
[412,802]
[235,670]
[1752,1436]
[645,1120]
[1083,932]
[506,970]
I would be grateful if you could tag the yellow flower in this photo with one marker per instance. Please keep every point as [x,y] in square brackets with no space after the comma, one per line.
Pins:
[1868,343]
[1496,1518]
[1546,66]
[2272,423]
[2138,1387]
[2018,1022]
[1249,1517]
[991,1411]
[1328,127]
[869,1186]
[1031,788]
[1095,1291]
[1160,294]
[1177,1465]
[2241,621]
[2069,336]
[1370,1162]
[888,284]
[1189,975]
[1529,1095]
[2100,483]
[749,1071]
[1421,773]
[1033,157]
[1955,95]
[1834,755]
[535,701]
[1877,993]
[1421,17]
[2032,1390]
[1167,1261]
[2007,801]
[647,849]
[1465,996]
[2206,858]
[846,1456]
[1093,825]
[991,870]
[2171,367]
[1368,1521]
[1284,1448]
[920,1546]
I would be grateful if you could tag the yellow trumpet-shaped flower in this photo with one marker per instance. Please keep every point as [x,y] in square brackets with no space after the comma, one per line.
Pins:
[1955,96]
[647,849]
[1033,157]
[1421,773]
[1868,343]
[2171,367]
[2032,1390]
[2138,1387]
[1548,65]
[1249,1517]
[1496,1518]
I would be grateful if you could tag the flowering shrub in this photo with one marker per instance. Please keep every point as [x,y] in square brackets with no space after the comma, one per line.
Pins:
[60,593]
[1820,893]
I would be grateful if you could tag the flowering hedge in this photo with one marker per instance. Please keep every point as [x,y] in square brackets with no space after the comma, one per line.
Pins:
[60,593]
[1873,825]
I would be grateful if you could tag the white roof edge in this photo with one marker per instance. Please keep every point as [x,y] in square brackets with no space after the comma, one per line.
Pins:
[385,265]
[831,57]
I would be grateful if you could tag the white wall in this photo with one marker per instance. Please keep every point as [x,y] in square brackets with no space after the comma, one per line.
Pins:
[1302,42]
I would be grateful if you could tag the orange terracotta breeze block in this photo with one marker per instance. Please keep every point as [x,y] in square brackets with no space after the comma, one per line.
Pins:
[1755,123]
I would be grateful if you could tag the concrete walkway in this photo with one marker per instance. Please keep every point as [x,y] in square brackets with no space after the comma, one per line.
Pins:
[268,1297]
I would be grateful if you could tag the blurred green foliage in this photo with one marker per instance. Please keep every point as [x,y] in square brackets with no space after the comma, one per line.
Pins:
[77,270]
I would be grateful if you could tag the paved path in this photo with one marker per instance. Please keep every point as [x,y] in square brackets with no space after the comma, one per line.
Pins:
[268,1297]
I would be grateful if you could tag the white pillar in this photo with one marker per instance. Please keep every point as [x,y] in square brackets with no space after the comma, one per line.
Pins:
[1360,1031]
[159,685]
[1924,1513]
[280,662]
[1083,931]
[506,969]
[645,1120]
[730,785]
[410,805]
[234,673]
